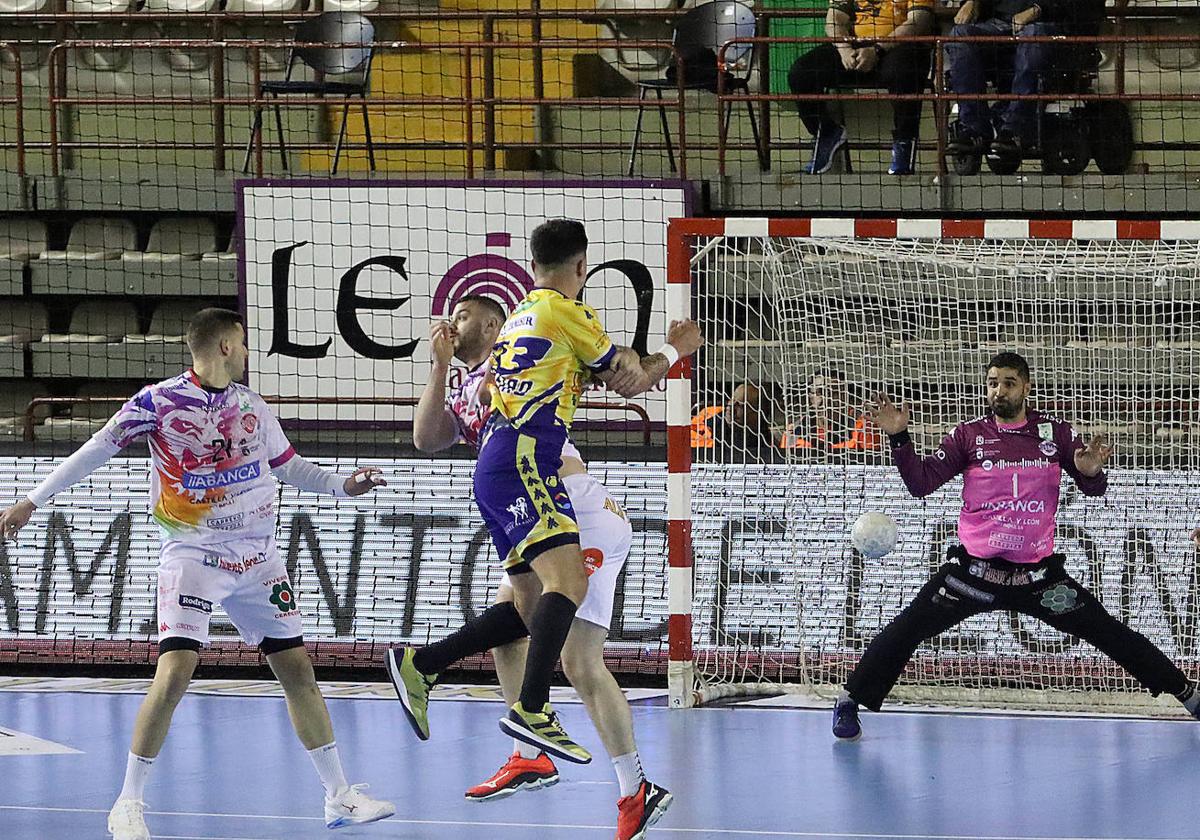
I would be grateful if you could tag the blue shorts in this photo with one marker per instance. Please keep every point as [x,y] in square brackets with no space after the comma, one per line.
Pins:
[524,503]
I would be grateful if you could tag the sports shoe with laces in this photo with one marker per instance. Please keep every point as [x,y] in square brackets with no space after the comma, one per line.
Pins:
[845,720]
[517,774]
[830,137]
[635,814]
[412,687]
[542,730]
[126,820]
[353,807]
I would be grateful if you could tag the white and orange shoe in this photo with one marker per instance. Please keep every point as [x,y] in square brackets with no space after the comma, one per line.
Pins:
[635,814]
[517,774]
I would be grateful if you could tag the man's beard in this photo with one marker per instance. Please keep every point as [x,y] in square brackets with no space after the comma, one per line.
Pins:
[1005,409]
[467,352]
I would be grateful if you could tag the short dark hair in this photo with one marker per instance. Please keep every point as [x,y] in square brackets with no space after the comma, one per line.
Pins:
[556,241]
[491,304]
[1009,359]
[209,325]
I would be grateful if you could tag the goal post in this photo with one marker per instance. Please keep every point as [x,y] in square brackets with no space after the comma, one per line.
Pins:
[771,456]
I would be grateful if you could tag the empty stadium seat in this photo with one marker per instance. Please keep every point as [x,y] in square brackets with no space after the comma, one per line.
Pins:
[259,6]
[27,7]
[183,7]
[86,418]
[21,323]
[170,321]
[98,322]
[14,399]
[177,238]
[361,7]
[91,7]
[21,240]
[98,238]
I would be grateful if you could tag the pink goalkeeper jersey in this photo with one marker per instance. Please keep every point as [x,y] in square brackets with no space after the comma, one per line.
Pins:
[211,452]
[465,403]
[1011,477]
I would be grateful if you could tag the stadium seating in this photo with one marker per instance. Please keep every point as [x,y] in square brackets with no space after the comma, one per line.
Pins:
[86,418]
[88,349]
[21,239]
[91,261]
[14,398]
[21,322]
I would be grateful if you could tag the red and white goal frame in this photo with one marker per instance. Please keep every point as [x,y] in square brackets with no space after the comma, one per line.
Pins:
[684,688]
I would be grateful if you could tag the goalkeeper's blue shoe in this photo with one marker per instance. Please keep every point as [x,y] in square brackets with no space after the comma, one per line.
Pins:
[845,720]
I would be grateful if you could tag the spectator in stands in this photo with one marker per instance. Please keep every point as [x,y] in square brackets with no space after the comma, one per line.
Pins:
[869,54]
[738,431]
[1015,122]
[832,422]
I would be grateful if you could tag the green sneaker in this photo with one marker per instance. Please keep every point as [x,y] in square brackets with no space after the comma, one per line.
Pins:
[542,730]
[412,687]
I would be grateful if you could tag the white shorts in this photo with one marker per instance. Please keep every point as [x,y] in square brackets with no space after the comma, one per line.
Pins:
[247,578]
[605,536]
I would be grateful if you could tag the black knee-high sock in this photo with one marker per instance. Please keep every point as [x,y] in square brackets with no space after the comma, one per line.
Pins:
[547,632]
[498,625]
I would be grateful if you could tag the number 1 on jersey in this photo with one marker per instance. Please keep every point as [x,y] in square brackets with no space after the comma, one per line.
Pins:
[1015,495]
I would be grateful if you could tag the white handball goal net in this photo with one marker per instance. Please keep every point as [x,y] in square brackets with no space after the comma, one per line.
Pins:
[803,330]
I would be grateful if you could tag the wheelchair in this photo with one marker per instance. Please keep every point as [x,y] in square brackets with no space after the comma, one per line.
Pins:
[1069,133]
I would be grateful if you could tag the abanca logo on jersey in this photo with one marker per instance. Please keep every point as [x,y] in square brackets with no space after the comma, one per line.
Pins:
[223,478]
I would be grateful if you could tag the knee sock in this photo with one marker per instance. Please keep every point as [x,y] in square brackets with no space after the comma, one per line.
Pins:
[547,632]
[498,625]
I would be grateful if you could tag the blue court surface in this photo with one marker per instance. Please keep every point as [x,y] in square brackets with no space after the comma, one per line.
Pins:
[232,768]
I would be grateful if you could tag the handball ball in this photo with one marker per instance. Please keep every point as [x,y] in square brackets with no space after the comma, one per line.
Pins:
[874,534]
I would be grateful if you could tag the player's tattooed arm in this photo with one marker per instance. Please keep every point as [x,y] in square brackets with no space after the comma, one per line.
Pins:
[631,375]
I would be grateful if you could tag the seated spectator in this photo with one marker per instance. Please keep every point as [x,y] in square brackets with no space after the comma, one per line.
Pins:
[1015,122]
[831,423]
[738,431]
[869,55]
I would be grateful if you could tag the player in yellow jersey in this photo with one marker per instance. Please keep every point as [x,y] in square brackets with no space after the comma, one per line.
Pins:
[549,347]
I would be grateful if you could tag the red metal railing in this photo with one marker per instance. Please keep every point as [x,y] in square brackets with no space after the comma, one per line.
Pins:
[30,424]
[17,103]
[478,104]
[940,96]
[469,103]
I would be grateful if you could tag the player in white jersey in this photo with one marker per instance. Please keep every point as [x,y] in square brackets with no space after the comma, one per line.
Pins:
[214,444]
[605,537]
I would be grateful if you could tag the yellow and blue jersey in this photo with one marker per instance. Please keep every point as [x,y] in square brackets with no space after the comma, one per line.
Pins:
[547,350]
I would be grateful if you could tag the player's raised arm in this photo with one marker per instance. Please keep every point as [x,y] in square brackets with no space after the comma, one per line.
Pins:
[434,426]
[133,421]
[922,476]
[630,375]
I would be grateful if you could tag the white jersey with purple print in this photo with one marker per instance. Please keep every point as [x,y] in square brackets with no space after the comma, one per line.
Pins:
[1011,477]
[470,414]
[212,453]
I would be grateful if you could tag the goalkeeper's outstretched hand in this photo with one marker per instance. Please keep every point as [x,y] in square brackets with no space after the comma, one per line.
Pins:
[889,418]
[1090,459]
[364,480]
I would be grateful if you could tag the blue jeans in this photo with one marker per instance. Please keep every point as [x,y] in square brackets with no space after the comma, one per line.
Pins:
[970,63]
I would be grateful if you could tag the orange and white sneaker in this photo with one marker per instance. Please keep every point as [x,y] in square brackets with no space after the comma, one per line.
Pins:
[517,774]
[635,814]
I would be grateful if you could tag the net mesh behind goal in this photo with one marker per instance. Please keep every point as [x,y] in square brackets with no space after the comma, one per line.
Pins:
[803,330]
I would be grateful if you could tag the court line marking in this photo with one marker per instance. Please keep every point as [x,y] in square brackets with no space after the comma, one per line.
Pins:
[742,832]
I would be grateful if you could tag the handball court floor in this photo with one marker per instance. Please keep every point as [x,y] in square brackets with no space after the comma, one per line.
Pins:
[232,768]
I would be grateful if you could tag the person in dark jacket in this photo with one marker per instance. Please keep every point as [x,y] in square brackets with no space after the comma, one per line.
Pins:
[969,64]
